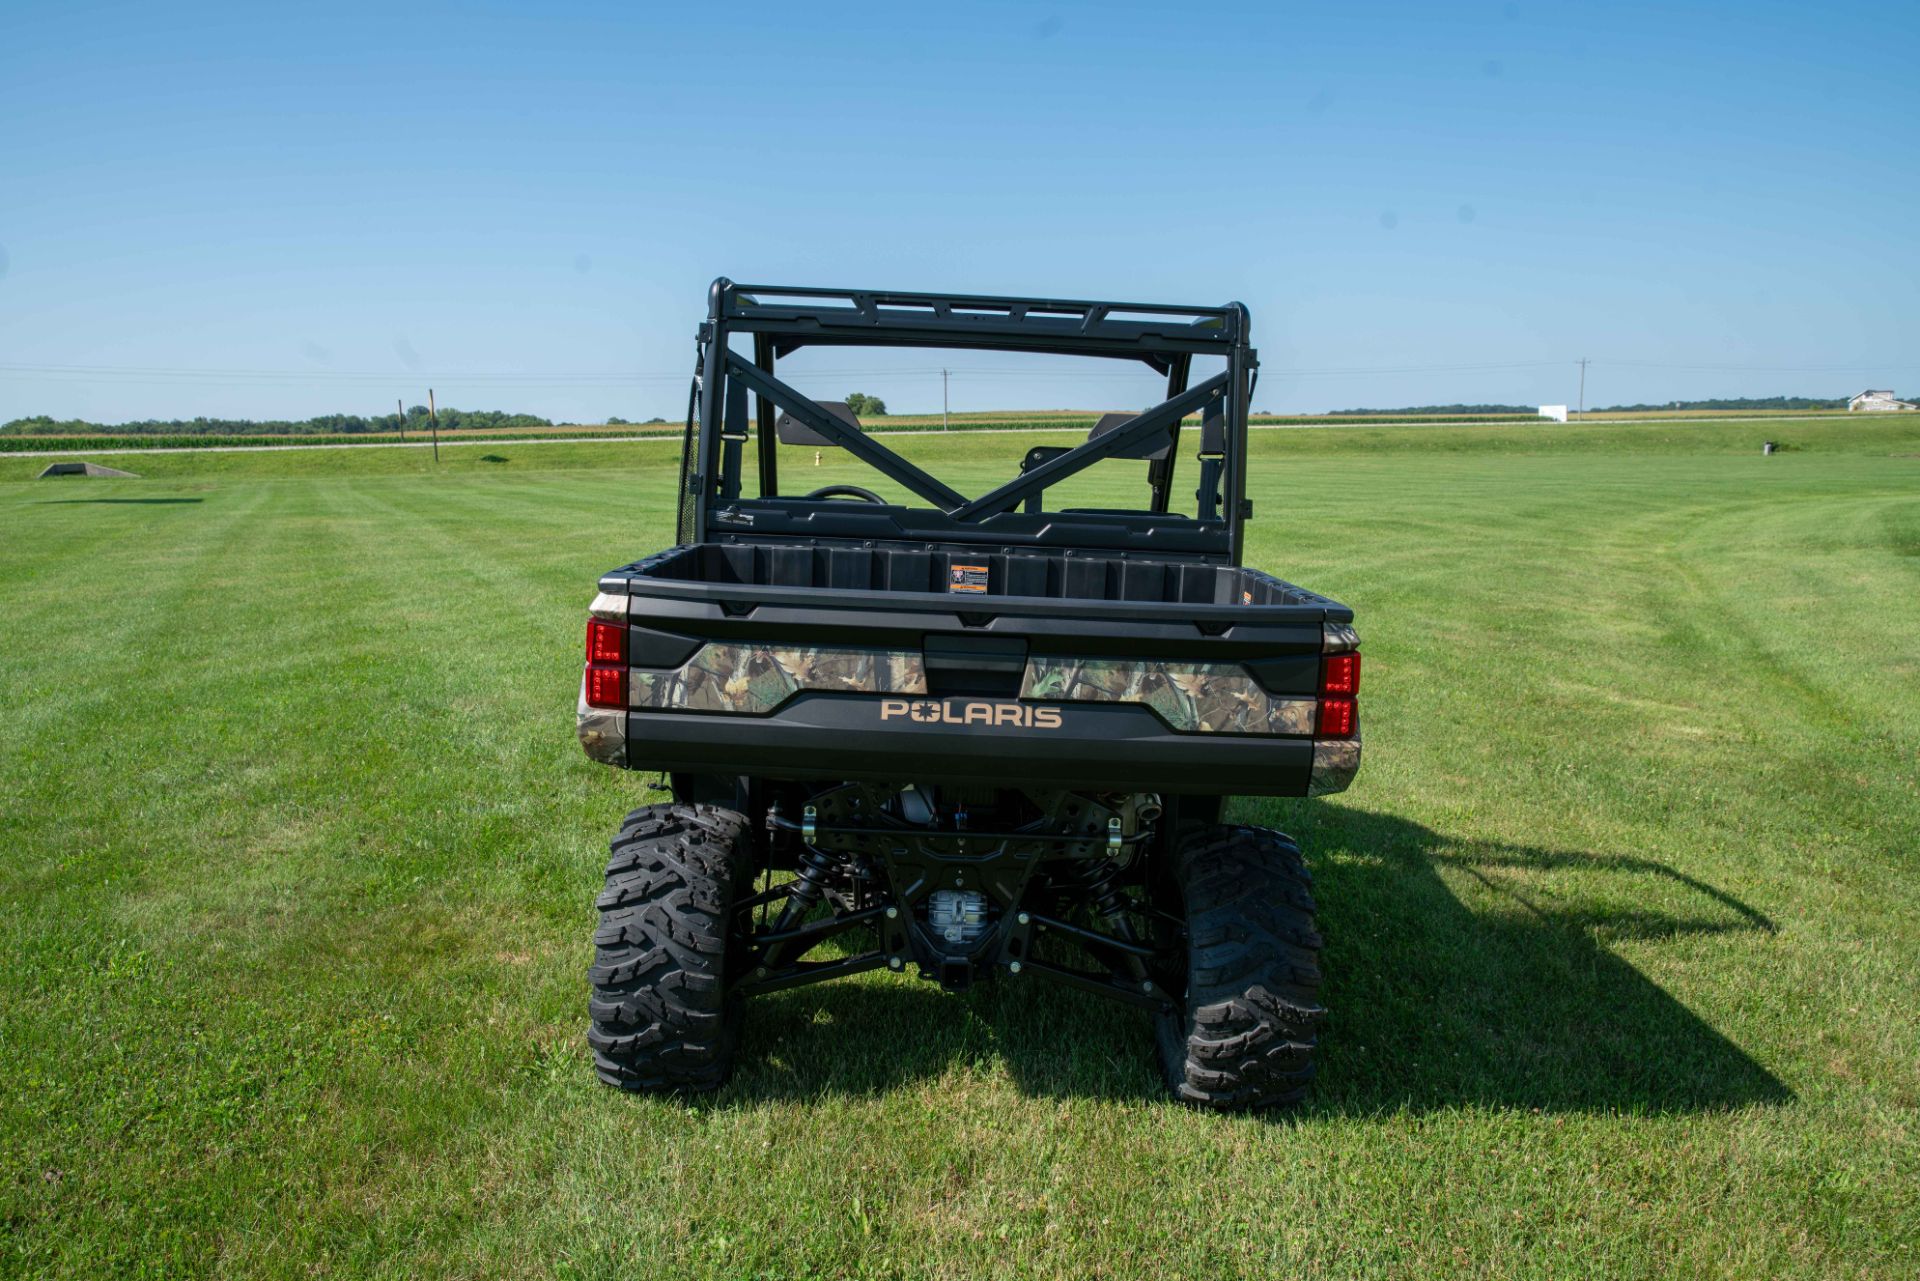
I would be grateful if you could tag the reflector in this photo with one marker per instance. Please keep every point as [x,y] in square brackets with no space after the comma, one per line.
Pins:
[1337,718]
[606,686]
[1340,674]
[606,642]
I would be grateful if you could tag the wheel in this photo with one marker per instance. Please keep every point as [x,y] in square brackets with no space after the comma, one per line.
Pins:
[1249,970]
[663,1016]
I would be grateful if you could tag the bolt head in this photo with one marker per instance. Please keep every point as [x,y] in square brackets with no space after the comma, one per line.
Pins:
[893,913]
[895,963]
[1013,967]
[1024,919]
[1147,986]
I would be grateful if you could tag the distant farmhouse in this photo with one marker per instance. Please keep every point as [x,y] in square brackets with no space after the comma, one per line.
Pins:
[1879,402]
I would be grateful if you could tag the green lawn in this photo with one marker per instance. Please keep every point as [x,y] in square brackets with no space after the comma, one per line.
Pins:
[1623,927]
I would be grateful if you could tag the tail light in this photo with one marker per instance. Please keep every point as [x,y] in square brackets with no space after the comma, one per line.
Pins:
[1338,716]
[606,684]
[606,642]
[1339,683]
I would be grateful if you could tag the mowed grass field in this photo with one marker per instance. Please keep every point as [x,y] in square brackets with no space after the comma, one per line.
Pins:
[1623,929]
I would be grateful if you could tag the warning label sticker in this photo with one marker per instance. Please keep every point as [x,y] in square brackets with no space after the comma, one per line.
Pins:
[967,578]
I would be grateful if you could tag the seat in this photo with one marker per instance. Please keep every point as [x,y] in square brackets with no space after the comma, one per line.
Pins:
[1107,422]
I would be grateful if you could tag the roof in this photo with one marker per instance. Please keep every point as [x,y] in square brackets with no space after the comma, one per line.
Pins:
[1154,333]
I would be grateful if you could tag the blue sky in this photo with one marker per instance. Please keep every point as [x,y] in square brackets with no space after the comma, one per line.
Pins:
[254,210]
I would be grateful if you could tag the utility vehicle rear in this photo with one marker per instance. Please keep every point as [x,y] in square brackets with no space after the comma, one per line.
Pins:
[961,735]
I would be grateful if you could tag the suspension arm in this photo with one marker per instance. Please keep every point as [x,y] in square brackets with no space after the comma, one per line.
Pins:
[1146,995]
[1091,936]
[806,972]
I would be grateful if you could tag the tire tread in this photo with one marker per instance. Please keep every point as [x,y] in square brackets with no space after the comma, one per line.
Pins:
[1247,1036]
[662,1017]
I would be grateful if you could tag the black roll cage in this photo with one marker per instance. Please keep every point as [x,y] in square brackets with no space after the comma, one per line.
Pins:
[783,319]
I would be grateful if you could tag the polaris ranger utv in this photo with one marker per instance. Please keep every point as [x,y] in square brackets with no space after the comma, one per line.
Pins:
[963,736]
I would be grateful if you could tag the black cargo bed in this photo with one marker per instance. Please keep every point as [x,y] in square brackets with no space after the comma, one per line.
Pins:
[969,579]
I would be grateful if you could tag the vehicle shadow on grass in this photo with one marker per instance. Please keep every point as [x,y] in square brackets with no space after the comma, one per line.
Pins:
[1481,972]
[1518,1001]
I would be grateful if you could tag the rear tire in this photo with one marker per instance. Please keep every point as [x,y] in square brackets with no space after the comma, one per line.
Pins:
[663,1015]
[1245,1035]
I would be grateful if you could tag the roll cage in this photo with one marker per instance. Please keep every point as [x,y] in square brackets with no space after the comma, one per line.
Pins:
[783,319]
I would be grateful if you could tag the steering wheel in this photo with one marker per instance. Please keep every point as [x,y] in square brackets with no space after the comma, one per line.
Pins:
[846,491]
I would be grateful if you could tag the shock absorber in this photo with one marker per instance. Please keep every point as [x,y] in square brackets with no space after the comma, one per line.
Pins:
[810,877]
[1111,902]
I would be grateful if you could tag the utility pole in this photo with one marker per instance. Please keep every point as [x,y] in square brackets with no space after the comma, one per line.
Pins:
[433,416]
[402,411]
[943,400]
[1583,386]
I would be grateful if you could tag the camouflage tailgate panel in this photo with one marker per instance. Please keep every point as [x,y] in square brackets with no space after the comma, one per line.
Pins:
[602,731]
[756,679]
[1335,762]
[1338,638]
[1205,698]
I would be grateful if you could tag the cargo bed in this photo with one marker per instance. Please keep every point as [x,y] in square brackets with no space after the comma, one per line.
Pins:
[864,662]
[968,574]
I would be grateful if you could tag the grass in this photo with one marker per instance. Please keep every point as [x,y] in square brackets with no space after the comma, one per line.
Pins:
[1623,947]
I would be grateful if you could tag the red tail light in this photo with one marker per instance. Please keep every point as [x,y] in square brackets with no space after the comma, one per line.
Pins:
[606,642]
[1340,674]
[1339,682]
[606,686]
[606,664]
[1338,718]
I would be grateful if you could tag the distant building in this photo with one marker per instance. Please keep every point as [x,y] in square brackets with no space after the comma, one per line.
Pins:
[1558,413]
[1878,402]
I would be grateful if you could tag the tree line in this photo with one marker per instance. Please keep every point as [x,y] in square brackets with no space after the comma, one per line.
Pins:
[1455,410]
[416,419]
[1745,402]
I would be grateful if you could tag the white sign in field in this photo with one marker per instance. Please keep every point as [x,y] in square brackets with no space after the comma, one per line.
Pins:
[1556,412]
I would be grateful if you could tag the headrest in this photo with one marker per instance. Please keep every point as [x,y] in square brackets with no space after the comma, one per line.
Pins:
[1110,422]
[791,431]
